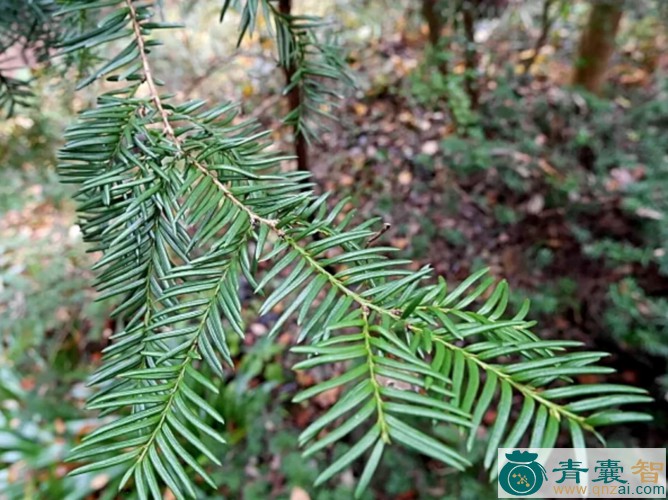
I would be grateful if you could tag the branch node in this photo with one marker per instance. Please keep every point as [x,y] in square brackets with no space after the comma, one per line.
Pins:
[378,234]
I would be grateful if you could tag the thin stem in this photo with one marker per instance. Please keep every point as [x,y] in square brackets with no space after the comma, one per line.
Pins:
[334,281]
[528,391]
[382,423]
[148,75]
[169,131]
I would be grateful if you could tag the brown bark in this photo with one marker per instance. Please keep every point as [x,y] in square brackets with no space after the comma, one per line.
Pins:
[545,26]
[597,44]
[294,99]
[434,20]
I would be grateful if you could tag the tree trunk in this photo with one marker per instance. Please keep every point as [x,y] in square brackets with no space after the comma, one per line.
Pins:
[471,52]
[294,98]
[597,44]
[434,20]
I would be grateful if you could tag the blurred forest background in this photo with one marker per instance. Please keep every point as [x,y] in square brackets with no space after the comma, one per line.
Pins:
[527,136]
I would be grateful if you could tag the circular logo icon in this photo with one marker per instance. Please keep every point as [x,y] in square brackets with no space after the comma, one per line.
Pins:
[522,475]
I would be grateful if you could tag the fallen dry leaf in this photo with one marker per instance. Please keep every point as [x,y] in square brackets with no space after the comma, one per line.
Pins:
[430,148]
[405,178]
[298,493]
[327,398]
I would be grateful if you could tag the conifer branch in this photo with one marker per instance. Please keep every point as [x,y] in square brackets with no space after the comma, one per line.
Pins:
[173,194]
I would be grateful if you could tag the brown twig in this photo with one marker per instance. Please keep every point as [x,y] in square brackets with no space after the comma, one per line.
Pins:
[378,234]
[148,75]
[294,98]
[546,23]
[169,130]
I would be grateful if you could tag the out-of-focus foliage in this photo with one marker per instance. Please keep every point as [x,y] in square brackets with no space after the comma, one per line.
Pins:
[591,171]
[591,149]
[43,287]
[48,319]
[28,33]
